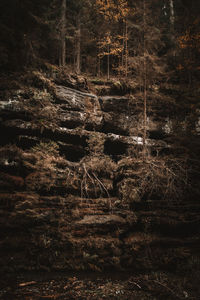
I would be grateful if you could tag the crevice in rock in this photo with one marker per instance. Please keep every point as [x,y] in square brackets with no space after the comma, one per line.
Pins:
[7,135]
[10,133]
[26,142]
[114,148]
[71,124]
[73,153]
[109,128]
[157,135]
[12,115]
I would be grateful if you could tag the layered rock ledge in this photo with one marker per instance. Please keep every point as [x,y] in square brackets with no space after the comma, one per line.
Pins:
[76,192]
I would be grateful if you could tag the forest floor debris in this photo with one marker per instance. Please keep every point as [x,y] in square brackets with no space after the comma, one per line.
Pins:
[99,286]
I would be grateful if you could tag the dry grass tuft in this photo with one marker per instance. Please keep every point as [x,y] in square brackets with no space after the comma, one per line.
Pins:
[96,172]
[153,177]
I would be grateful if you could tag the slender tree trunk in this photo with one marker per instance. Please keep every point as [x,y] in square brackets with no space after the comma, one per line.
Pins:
[190,58]
[99,60]
[99,66]
[126,38]
[123,47]
[145,81]
[108,62]
[78,54]
[172,18]
[63,34]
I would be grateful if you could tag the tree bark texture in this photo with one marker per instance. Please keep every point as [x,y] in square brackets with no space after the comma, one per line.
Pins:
[63,34]
[78,53]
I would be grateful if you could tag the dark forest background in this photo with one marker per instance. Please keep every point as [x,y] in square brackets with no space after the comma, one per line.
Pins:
[101,35]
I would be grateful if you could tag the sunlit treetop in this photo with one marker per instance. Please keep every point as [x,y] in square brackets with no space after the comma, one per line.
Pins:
[113,9]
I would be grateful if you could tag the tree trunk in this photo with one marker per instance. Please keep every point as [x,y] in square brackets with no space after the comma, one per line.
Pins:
[123,48]
[99,66]
[172,19]
[126,37]
[78,54]
[63,34]
[145,82]
[108,62]
[99,60]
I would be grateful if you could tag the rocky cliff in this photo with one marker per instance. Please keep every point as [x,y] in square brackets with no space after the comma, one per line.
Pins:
[76,190]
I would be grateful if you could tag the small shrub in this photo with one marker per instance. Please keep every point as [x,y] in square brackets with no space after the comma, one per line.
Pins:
[154,177]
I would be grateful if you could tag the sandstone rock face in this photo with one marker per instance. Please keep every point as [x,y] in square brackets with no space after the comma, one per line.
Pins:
[76,192]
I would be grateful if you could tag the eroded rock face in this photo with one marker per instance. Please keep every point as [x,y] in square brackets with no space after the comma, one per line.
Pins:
[76,192]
